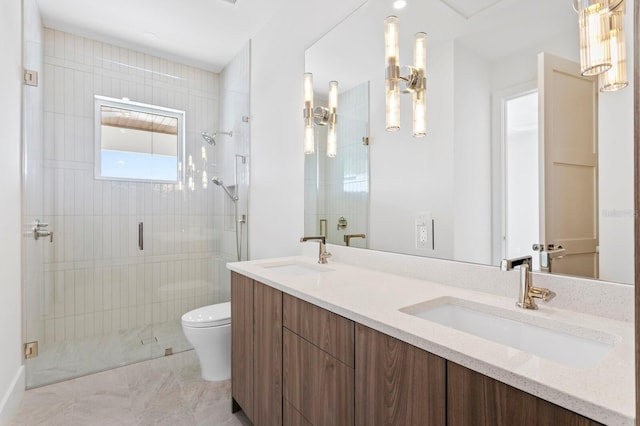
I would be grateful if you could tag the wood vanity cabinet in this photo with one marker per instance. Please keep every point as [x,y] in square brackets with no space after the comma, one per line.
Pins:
[256,350]
[397,383]
[318,365]
[474,399]
[296,364]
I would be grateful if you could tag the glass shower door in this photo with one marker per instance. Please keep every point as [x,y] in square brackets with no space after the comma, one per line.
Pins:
[95,300]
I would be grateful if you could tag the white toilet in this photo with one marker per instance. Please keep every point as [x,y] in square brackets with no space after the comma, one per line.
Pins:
[208,329]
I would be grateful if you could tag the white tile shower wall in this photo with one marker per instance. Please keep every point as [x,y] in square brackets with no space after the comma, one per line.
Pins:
[97,280]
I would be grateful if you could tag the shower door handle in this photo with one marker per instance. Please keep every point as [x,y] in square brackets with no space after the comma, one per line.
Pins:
[141,235]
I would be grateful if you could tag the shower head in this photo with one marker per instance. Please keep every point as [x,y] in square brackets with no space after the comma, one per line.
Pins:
[211,138]
[220,183]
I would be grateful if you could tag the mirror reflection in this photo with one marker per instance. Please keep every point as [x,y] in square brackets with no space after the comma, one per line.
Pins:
[337,188]
[522,155]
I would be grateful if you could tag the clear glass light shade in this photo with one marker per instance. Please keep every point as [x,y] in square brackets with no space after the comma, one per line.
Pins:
[595,53]
[204,154]
[419,114]
[332,138]
[332,142]
[616,77]
[309,137]
[420,51]
[205,179]
[393,70]
[309,140]
[308,90]
[393,106]
[391,40]
[419,101]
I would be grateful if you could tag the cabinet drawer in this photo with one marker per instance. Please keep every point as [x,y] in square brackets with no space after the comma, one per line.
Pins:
[328,331]
[317,385]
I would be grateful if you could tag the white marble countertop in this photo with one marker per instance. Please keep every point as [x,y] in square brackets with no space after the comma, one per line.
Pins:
[605,393]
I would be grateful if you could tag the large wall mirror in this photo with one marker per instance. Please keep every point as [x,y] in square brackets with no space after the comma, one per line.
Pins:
[482,184]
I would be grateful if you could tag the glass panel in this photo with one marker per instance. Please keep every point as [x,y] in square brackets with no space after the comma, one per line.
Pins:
[94,299]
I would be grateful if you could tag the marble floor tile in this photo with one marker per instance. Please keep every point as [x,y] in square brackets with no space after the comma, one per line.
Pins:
[70,359]
[162,391]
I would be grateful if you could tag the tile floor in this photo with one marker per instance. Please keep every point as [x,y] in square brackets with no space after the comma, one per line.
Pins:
[79,357]
[163,391]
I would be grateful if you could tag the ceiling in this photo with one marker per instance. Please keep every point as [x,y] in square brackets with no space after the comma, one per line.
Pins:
[496,29]
[203,33]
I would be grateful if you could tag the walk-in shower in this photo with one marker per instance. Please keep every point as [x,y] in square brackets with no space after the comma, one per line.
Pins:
[128,256]
[211,138]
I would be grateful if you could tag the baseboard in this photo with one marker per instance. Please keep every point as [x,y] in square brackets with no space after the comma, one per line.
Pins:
[11,400]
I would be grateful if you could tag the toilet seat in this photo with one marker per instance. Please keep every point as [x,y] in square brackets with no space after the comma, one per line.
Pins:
[208,316]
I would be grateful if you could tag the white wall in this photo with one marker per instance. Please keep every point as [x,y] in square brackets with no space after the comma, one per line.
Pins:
[400,188]
[10,289]
[615,161]
[472,142]
[276,207]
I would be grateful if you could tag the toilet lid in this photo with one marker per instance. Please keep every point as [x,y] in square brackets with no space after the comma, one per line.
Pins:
[208,316]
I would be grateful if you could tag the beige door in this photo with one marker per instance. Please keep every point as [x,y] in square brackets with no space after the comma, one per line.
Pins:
[568,120]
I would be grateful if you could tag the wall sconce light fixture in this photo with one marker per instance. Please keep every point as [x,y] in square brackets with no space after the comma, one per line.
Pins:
[415,80]
[321,116]
[602,42]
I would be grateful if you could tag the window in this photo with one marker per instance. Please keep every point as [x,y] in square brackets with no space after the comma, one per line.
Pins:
[138,142]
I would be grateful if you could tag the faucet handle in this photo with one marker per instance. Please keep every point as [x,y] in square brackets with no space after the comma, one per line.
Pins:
[542,293]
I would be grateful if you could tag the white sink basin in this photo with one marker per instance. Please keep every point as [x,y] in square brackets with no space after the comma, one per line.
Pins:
[570,345]
[296,268]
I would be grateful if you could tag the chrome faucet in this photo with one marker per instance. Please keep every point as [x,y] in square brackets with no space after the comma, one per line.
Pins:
[527,292]
[323,255]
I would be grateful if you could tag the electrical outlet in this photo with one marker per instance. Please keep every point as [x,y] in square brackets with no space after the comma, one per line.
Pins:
[424,234]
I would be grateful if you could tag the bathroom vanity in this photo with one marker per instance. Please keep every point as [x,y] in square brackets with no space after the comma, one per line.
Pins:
[342,344]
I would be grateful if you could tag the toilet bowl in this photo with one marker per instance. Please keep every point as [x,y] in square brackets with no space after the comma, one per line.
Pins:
[208,329]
